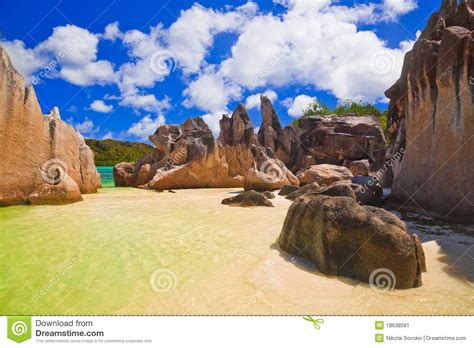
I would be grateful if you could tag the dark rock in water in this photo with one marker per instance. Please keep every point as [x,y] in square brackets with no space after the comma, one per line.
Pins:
[344,238]
[248,199]
[430,118]
[368,190]
[287,189]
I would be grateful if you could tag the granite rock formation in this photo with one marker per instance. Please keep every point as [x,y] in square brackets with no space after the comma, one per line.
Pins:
[284,142]
[39,151]
[337,139]
[344,238]
[431,118]
[188,156]
[323,174]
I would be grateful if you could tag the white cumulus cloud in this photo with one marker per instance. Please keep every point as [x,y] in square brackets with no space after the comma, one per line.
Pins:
[146,126]
[297,105]
[253,101]
[100,106]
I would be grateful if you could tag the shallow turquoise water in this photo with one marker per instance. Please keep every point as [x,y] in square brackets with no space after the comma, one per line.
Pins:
[107,176]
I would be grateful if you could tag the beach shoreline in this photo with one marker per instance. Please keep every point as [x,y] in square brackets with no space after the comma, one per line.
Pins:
[102,256]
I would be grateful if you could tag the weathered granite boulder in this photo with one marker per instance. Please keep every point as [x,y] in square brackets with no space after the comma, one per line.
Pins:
[341,188]
[267,172]
[358,168]
[344,238]
[249,199]
[309,188]
[38,149]
[66,191]
[430,118]
[335,139]
[323,174]
[188,156]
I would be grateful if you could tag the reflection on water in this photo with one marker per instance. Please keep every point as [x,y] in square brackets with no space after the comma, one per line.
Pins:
[129,251]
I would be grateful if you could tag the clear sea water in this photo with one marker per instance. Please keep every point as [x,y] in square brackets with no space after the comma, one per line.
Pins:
[106,174]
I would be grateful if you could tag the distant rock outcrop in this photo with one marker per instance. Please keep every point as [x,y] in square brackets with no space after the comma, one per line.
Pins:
[284,142]
[188,156]
[344,238]
[431,118]
[338,139]
[41,156]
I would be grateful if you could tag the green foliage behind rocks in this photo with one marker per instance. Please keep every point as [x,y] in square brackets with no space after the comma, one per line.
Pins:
[110,152]
[344,108]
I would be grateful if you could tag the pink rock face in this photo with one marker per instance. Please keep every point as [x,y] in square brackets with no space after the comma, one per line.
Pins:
[431,117]
[188,156]
[37,148]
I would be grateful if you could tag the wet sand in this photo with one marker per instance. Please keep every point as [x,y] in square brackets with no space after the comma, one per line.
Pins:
[129,251]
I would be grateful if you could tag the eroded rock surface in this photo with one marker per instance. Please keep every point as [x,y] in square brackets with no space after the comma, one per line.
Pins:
[344,238]
[188,156]
[431,118]
[38,150]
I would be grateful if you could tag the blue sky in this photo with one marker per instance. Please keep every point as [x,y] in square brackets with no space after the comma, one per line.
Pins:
[119,69]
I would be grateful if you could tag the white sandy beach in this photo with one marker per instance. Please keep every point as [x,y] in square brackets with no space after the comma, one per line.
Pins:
[217,260]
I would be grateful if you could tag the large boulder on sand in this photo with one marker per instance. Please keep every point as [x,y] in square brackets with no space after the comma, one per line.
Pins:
[36,147]
[323,174]
[344,238]
[249,199]
[431,118]
[67,191]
